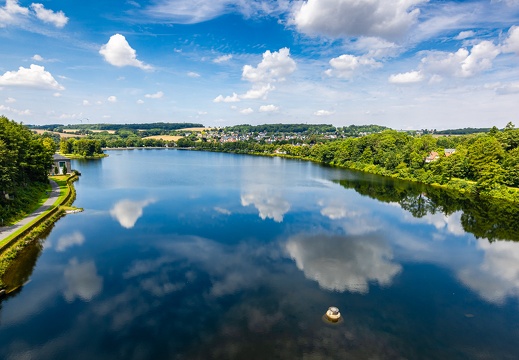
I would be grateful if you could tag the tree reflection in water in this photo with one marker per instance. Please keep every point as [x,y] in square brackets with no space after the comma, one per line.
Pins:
[487,218]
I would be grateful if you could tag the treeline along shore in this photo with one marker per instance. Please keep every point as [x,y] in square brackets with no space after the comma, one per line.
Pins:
[483,162]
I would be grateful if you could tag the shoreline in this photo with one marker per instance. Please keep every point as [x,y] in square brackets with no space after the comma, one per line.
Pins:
[467,185]
[27,234]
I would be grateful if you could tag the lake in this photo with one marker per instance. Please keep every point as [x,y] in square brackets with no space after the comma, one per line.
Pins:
[198,255]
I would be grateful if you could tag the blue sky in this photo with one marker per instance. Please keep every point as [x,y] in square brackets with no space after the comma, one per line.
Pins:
[406,64]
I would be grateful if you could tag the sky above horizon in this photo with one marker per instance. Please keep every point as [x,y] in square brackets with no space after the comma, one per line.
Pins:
[405,64]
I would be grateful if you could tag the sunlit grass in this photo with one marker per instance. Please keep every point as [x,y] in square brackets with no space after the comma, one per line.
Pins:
[61,180]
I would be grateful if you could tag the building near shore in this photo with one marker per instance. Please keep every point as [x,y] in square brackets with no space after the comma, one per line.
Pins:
[62,164]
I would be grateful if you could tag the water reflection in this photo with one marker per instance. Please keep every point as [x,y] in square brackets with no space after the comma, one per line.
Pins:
[342,263]
[450,224]
[497,277]
[192,282]
[81,281]
[269,206]
[230,269]
[354,221]
[66,241]
[127,212]
[490,219]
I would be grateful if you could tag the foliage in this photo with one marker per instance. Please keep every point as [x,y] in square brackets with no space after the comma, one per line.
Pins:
[492,219]
[145,126]
[360,130]
[82,147]
[483,164]
[464,131]
[25,159]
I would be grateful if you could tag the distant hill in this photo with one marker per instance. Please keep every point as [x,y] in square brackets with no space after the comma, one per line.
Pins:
[464,131]
[145,126]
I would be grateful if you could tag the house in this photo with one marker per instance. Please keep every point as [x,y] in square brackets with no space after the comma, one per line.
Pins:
[432,157]
[59,162]
[449,152]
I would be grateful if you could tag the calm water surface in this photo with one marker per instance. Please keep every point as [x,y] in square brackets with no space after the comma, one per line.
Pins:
[194,255]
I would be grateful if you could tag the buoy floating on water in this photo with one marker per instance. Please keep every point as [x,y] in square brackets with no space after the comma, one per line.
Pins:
[333,314]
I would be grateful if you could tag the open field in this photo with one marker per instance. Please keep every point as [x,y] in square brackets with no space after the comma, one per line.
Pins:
[63,135]
[100,131]
[164,137]
[94,131]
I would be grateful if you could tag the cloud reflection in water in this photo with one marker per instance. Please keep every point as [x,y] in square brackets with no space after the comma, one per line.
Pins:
[269,206]
[82,280]
[498,275]
[66,241]
[341,263]
[127,212]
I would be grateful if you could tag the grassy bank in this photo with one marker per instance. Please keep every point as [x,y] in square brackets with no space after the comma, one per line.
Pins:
[81,157]
[13,246]
[25,201]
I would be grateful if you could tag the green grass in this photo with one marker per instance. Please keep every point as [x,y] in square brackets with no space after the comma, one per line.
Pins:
[61,180]
[26,200]
[77,156]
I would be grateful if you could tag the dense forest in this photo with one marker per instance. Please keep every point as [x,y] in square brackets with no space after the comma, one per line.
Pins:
[464,131]
[25,160]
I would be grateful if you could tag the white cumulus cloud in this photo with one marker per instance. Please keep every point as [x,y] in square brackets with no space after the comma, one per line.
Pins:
[10,100]
[465,35]
[462,63]
[324,113]
[511,44]
[193,74]
[345,65]
[268,108]
[37,57]
[227,99]
[258,92]
[58,19]
[388,19]
[119,53]
[246,111]
[275,66]
[33,77]
[9,12]
[112,99]
[406,78]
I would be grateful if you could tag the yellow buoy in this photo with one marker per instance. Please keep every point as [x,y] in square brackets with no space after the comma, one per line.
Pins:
[333,314]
